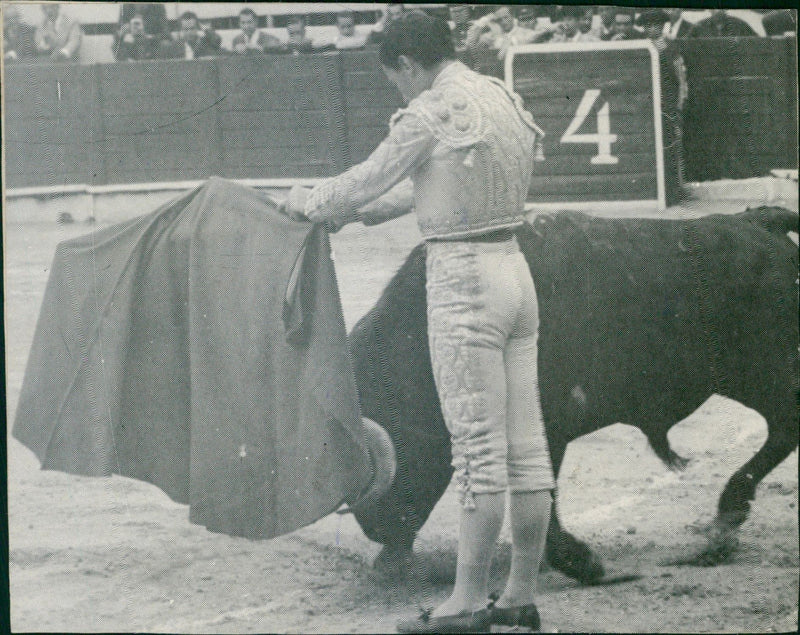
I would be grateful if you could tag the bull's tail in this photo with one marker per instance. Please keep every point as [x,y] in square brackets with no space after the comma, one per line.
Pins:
[776,220]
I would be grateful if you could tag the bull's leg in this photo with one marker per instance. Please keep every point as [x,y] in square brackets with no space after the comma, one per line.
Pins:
[734,503]
[570,556]
[564,552]
[657,437]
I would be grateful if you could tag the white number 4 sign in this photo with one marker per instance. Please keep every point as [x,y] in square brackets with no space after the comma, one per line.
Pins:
[603,138]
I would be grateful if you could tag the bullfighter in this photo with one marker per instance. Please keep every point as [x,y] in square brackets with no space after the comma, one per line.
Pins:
[467,144]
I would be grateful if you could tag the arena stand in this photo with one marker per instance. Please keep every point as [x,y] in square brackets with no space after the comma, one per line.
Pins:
[314,115]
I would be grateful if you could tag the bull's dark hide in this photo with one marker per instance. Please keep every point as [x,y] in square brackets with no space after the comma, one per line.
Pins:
[641,321]
[160,354]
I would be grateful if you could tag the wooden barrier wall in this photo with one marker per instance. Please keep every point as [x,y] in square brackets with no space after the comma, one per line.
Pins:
[741,116]
[51,116]
[314,115]
[155,121]
[370,101]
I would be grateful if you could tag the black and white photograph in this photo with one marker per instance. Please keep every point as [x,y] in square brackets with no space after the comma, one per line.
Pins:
[335,317]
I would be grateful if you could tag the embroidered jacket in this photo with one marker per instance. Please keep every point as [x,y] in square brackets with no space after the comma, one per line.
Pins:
[467,145]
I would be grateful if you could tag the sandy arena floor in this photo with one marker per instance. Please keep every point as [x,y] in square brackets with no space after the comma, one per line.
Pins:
[118,555]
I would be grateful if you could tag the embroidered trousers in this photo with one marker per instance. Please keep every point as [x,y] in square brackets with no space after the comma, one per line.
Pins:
[483,329]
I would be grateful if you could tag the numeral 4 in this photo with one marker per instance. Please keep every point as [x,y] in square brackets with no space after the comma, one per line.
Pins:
[603,137]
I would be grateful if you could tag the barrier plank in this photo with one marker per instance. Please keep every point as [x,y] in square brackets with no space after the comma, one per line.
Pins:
[157,86]
[49,126]
[266,120]
[369,100]
[285,108]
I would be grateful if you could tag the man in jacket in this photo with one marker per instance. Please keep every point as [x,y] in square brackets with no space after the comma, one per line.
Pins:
[18,37]
[720,24]
[58,36]
[196,40]
[135,43]
[622,28]
[250,40]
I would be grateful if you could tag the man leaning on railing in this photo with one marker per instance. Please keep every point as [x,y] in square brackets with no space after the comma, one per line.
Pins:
[195,40]
[58,36]
[18,37]
[250,40]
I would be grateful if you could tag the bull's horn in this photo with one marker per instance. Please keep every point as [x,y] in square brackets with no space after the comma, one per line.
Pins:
[384,465]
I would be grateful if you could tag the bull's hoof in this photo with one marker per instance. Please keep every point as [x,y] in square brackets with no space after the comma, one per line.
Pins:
[575,559]
[721,542]
[403,566]
[394,562]
[615,577]
[676,462]
[711,555]
[716,552]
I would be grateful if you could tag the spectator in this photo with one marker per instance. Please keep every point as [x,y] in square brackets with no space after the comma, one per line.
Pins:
[153,15]
[500,30]
[394,11]
[347,38]
[154,18]
[18,37]
[607,15]
[58,36]
[136,44]
[531,31]
[677,27]
[720,24]
[622,28]
[297,41]
[674,91]
[653,21]
[196,40]
[591,33]
[460,22]
[568,26]
[251,40]
[487,32]
[780,23]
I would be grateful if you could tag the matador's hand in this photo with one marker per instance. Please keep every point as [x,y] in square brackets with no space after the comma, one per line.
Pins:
[295,203]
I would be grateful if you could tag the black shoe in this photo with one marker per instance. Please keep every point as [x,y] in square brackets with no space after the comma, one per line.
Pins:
[464,622]
[518,617]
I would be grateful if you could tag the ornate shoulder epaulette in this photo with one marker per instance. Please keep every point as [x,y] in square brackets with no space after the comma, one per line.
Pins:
[453,115]
[526,116]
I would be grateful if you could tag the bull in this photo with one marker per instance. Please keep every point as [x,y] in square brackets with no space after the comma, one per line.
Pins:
[641,321]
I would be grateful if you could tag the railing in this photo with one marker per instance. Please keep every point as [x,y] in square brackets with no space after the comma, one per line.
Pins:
[287,116]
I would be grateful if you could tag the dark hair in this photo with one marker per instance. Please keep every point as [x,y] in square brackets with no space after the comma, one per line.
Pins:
[419,36]
[296,18]
[346,13]
[188,15]
[248,11]
[571,11]
[650,17]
